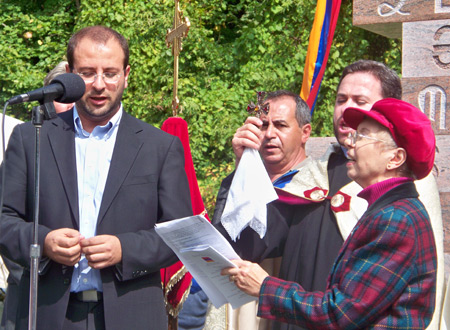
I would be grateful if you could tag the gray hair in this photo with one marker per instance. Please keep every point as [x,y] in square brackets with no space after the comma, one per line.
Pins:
[302,110]
[56,71]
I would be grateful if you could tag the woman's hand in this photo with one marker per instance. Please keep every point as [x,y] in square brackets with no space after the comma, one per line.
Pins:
[247,276]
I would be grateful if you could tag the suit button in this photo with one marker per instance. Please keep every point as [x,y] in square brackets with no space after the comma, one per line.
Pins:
[66,281]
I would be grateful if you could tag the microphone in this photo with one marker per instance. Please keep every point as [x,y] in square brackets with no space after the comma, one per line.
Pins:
[65,88]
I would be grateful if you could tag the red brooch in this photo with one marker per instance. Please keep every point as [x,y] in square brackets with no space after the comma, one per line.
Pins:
[340,202]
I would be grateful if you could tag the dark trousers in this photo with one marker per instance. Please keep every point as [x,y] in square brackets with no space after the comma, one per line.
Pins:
[84,315]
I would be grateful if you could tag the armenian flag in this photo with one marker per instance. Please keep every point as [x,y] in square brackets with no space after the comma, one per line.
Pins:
[320,40]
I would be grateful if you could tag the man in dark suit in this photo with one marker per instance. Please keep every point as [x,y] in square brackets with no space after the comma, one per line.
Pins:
[106,180]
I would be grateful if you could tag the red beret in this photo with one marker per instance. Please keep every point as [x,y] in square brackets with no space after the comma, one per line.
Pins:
[410,128]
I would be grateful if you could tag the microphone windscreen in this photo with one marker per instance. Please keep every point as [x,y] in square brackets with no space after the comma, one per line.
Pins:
[73,85]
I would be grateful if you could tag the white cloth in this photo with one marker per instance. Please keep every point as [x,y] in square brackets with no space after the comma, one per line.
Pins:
[10,123]
[251,190]
[445,321]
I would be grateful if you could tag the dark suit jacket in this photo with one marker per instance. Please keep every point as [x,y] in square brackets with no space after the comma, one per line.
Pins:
[146,184]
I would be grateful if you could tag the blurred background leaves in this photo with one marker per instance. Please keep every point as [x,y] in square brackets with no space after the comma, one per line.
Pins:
[234,48]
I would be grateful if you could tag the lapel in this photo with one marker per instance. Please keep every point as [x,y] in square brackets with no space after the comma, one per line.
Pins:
[61,137]
[126,149]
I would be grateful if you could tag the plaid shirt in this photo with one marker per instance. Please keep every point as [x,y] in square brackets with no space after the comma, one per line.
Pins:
[383,278]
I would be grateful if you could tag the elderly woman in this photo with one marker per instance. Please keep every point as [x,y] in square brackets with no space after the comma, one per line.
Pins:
[385,274]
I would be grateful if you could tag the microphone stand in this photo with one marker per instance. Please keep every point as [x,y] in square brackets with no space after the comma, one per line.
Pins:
[39,113]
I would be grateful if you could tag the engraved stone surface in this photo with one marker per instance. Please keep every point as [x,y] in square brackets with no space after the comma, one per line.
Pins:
[426,49]
[443,170]
[385,16]
[445,204]
[316,146]
[432,96]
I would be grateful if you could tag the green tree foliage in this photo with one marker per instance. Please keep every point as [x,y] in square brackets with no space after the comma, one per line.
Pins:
[234,48]
[33,35]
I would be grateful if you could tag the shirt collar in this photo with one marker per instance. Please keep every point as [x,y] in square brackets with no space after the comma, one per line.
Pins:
[287,177]
[102,132]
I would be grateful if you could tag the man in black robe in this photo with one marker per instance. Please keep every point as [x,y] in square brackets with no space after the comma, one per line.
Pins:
[280,136]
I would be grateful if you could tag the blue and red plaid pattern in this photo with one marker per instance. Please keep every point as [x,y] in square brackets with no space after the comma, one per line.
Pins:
[383,278]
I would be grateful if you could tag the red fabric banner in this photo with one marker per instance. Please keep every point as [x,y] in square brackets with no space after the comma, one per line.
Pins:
[176,280]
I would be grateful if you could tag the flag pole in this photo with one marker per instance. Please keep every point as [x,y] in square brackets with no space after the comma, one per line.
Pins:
[174,38]
[175,279]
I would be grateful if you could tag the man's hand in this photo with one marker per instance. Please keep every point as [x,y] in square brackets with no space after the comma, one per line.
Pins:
[63,246]
[102,251]
[248,135]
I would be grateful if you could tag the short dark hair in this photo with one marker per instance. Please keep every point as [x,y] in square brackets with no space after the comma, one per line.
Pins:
[391,85]
[302,110]
[100,34]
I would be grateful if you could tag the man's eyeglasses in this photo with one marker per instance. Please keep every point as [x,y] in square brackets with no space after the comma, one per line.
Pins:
[355,136]
[108,77]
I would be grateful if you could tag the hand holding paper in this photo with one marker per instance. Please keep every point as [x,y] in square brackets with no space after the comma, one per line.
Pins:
[247,276]
[204,252]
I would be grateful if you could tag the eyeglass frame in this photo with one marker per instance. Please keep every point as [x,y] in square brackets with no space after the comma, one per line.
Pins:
[355,135]
[81,74]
